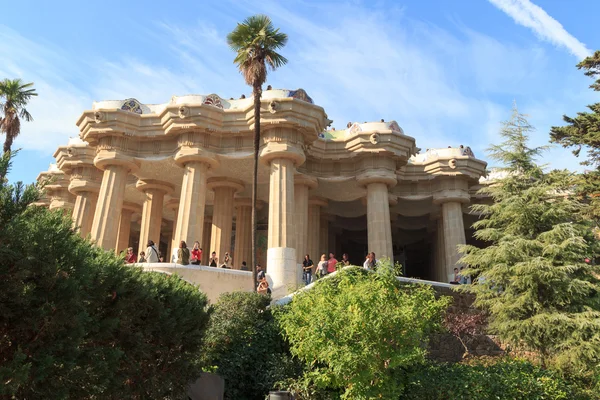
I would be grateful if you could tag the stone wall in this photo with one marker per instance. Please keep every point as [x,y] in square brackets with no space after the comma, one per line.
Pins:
[212,281]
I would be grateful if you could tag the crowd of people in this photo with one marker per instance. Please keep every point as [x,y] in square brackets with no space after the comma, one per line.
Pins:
[183,255]
[327,265]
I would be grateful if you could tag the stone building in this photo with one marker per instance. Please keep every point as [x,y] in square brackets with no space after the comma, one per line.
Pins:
[183,171]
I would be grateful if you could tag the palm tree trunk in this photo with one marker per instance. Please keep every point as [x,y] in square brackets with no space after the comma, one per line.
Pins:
[7,143]
[257,92]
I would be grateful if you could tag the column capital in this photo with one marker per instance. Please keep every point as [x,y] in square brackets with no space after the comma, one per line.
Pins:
[451,195]
[145,185]
[283,143]
[377,176]
[133,207]
[218,182]
[109,156]
[247,202]
[172,204]
[392,200]
[192,154]
[317,201]
[306,180]
[80,184]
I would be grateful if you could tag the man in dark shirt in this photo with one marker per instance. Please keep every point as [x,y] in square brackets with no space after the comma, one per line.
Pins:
[307,265]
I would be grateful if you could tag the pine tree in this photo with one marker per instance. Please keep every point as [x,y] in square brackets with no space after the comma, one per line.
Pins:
[583,131]
[533,280]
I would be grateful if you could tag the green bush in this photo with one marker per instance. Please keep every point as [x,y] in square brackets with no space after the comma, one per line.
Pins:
[503,380]
[245,347]
[356,331]
[75,322]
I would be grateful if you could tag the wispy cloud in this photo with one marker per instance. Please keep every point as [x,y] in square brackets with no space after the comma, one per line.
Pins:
[525,13]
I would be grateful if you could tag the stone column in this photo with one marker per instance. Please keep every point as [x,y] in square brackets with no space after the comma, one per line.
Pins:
[173,204]
[451,197]
[205,244]
[324,235]
[222,220]
[314,227]
[440,252]
[282,152]
[125,225]
[190,219]
[379,226]
[83,212]
[243,233]
[110,198]
[58,192]
[152,211]
[302,184]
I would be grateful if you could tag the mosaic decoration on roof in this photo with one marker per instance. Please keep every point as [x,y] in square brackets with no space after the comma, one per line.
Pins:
[132,105]
[300,94]
[213,100]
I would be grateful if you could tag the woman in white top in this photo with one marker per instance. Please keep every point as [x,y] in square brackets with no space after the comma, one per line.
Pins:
[322,266]
[151,253]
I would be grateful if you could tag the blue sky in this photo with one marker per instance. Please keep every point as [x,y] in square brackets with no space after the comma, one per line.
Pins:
[447,71]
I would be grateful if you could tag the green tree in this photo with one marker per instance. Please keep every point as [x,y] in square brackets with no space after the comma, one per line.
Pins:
[75,322]
[583,131]
[14,96]
[357,331]
[256,42]
[245,345]
[533,280]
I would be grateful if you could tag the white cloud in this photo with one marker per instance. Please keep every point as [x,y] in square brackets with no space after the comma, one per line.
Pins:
[529,15]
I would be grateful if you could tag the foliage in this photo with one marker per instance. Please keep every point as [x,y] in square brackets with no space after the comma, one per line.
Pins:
[356,331]
[244,343]
[503,380]
[14,96]
[533,281]
[584,131]
[256,42]
[75,322]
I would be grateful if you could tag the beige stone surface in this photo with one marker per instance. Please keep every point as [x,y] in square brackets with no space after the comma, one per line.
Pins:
[454,235]
[152,212]
[367,185]
[190,218]
[108,208]
[243,233]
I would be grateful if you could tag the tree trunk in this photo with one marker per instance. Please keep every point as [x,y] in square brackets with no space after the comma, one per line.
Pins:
[256,92]
[7,143]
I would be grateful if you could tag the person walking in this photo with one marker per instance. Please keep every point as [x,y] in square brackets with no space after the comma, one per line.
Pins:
[331,263]
[307,266]
[183,254]
[152,253]
[322,267]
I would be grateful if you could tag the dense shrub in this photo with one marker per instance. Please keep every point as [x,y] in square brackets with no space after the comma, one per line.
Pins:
[245,346]
[75,322]
[355,332]
[502,380]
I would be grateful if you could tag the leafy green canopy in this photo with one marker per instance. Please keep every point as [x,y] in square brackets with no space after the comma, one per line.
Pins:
[14,96]
[583,131]
[245,346]
[255,42]
[503,380]
[357,330]
[533,279]
[75,322]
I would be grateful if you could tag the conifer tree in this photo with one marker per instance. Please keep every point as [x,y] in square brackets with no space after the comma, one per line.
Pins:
[583,131]
[533,280]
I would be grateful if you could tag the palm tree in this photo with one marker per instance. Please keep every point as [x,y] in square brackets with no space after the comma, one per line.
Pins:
[14,96]
[256,42]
